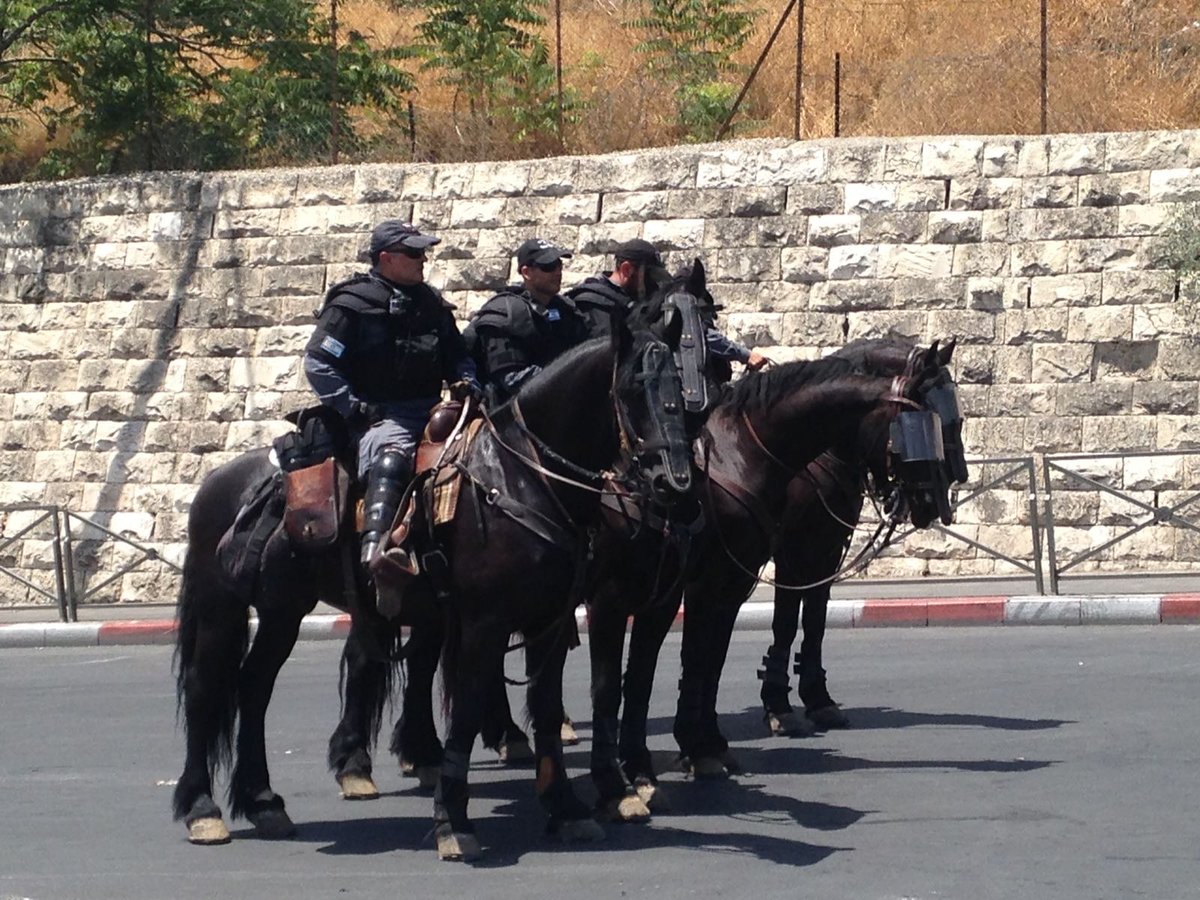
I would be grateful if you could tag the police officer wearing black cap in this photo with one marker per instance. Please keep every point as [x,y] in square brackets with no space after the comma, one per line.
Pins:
[384,344]
[638,269]
[521,329]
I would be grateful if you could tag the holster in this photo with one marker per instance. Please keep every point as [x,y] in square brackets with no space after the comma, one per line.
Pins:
[315,504]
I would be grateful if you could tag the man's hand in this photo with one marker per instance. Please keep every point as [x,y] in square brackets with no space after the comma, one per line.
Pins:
[757,361]
[468,387]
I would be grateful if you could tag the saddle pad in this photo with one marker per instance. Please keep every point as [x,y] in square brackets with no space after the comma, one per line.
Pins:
[446,485]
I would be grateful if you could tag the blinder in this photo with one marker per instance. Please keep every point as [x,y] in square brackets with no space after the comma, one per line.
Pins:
[665,434]
[915,450]
[942,398]
[692,355]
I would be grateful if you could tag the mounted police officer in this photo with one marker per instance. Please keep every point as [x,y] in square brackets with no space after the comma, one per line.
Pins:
[384,344]
[638,269]
[521,329]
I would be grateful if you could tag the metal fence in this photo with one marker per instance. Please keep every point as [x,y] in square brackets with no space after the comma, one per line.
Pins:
[65,573]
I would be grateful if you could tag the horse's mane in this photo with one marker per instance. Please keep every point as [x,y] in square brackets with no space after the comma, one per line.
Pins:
[756,391]
[866,354]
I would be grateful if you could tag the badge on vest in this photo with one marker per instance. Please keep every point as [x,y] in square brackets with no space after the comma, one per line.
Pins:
[552,315]
[333,346]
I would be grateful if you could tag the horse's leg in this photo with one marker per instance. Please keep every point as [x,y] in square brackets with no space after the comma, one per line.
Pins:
[500,731]
[819,706]
[250,793]
[478,657]
[781,719]
[570,818]
[366,687]
[606,645]
[414,739]
[650,629]
[212,640]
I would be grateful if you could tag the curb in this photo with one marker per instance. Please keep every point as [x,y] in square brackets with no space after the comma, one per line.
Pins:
[1108,609]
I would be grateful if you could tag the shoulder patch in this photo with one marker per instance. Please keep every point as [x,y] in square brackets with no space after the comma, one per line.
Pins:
[333,346]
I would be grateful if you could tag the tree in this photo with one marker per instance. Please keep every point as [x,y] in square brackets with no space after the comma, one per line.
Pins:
[690,45]
[124,85]
[487,51]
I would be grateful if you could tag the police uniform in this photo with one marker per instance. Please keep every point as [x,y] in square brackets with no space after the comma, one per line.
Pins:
[512,337]
[595,298]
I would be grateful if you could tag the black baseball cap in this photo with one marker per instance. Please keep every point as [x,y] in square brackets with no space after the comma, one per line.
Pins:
[393,233]
[540,252]
[643,253]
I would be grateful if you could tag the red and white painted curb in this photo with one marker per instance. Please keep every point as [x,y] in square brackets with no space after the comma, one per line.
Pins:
[1136,609]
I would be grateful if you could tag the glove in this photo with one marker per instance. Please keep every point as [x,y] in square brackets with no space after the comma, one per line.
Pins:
[466,388]
[364,415]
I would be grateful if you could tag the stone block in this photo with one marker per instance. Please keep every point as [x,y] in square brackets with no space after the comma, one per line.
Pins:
[1121,189]
[1061,363]
[853,261]
[815,199]
[1109,323]
[1052,191]
[985,193]
[1076,154]
[893,227]
[1034,326]
[1108,434]
[870,198]
[915,260]
[1113,399]
[804,265]
[1039,258]
[984,261]
[926,195]
[1174,186]
[1178,398]
[1065,290]
[955,227]
[951,158]
[833,231]
[686,235]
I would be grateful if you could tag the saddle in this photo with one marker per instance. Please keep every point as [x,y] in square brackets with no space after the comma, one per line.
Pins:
[431,500]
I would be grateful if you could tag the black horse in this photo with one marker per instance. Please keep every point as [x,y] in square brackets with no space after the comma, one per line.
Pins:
[823,508]
[764,430]
[513,550]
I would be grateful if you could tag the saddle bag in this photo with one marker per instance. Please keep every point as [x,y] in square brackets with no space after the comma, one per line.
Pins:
[316,485]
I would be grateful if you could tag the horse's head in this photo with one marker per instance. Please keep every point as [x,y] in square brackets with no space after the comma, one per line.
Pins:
[925,451]
[683,303]
[656,449]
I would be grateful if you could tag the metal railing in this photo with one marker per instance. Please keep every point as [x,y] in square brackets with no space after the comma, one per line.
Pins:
[67,573]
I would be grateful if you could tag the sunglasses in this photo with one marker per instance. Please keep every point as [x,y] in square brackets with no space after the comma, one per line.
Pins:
[410,252]
[549,267]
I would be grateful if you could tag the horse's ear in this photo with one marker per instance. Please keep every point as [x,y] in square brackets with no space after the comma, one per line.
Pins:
[944,353]
[697,280]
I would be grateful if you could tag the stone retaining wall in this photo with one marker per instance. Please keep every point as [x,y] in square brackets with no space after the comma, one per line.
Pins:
[151,328]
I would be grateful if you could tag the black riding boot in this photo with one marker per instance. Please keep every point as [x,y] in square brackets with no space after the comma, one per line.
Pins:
[385,487]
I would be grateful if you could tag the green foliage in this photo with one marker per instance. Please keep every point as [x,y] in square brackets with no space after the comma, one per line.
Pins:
[1182,250]
[690,45]
[149,84]
[489,53]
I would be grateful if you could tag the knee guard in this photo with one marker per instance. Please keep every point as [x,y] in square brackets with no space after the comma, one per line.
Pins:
[385,487]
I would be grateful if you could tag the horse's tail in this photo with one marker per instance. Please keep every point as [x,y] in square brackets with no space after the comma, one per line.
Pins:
[451,657]
[211,641]
[379,653]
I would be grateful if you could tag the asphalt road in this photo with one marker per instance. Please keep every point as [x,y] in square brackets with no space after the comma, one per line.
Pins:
[985,763]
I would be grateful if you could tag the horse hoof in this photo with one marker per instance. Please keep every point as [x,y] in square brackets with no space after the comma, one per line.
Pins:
[578,831]
[630,809]
[272,824]
[568,735]
[358,787]
[828,717]
[427,777]
[653,796]
[457,846]
[515,753]
[407,768]
[731,764]
[208,831]
[708,767]
[788,724]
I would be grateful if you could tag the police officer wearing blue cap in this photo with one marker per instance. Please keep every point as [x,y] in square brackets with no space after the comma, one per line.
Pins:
[525,326]
[384,344]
